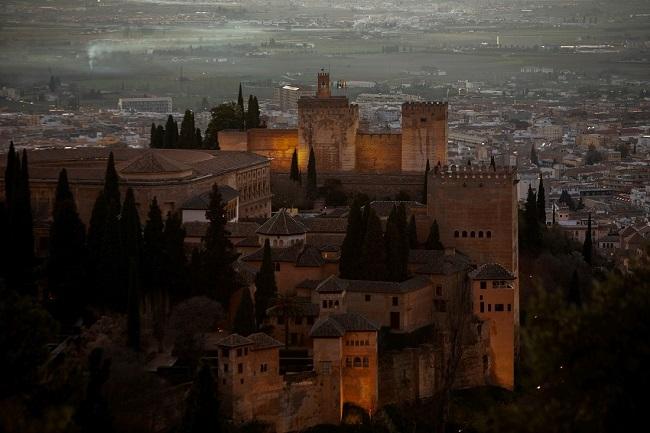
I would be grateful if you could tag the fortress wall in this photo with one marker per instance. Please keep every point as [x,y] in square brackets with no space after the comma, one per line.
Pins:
[424,134]
[278,144]
[407,375]
[378,153]
[231,139]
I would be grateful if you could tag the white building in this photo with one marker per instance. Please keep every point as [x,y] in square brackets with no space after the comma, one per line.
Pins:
[146,105]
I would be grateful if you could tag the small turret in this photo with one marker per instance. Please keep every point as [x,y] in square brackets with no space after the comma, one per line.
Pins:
[323,84]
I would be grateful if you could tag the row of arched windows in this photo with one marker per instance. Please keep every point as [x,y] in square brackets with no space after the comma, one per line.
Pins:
[473,234]
[357,362]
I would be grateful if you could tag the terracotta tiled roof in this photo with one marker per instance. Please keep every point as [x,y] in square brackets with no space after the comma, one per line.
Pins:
[301,255]
[261,341]
[334,284]
[202,201]
[438,262]
[249,241]
[152,162]
[282,224]
[336,325]
[384,208]
[325,225]
[234,340]
[491,271]
[308,284]
[303,307]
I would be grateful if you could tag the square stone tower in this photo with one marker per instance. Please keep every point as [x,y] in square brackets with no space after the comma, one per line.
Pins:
[329,124]
[424,135]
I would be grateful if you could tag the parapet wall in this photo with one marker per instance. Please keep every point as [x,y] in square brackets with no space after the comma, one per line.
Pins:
[232,139]
[277,144]
[379,153]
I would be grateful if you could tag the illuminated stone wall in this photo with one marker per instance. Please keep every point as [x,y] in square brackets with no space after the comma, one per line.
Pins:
[424,135]
[378,153]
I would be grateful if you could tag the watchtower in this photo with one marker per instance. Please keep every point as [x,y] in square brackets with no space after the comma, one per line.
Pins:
[424,134]
[323,90]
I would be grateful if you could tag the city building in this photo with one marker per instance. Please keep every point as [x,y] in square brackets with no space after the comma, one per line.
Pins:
[146,105]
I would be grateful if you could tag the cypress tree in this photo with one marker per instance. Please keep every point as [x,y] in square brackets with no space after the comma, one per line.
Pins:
[493,163]
[413,233]
[94,415]
[130,228]
[12,171]
[533,155]
[587,246]
[433,241]
[351,247]
[174,259]
[531,218]
[244,323]
[541,202]
[266,288]
[112,187]
[373,251]
[425,190]
[153,249]
[133,309]
[202,406]
[256,113]
[294,175]
[188,131]
[4,240]
[240,108]
[171,134]
[198,139]
[219,254]
[160,137]
[21,233]
[95,239]
[312,180]
[152,136]
[392,241]
[65,270]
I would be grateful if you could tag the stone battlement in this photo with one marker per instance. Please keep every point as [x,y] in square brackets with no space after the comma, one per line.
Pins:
[418,107]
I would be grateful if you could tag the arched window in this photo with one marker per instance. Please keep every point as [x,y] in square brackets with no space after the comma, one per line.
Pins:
[275,242]
[480,233]
[464,234]
[277,267]
[473,234]
[456,234]
[336,303]
[489,234]
[281,243]
[366,362]
[357,361]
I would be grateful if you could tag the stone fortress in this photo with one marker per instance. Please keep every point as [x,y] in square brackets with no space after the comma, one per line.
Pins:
[330,125]
[337,323]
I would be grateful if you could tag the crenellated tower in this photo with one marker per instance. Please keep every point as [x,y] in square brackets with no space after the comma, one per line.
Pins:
[329,124]
[424,135]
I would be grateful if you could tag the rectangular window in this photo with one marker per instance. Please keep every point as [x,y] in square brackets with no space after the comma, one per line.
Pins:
[482,307]
[438,290]
[225,368]
[509,307]
[395,301]
[348,362]
[264,368]
[239,352]
[394,320]
[240,368]
[498,307]
[489,307]
[324,303]
[483,284]
[366,362]
[325,367]
[367,298]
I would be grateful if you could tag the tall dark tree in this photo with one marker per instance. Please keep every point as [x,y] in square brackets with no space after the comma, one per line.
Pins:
[533,155]
[425,184]
[493,163]
[188,131]
[295,175]
[171,134]
[351,247]
[541,201]
[587,246]
[531,219]
[312,179]
[240,107]
[244,322]
[131,229]
[133,308]
[413,233]
[21,231]
[152,136]
[433,240]
[395,239]
[198,139]
[223,116]
[153,250]
[174,259]
[372,261]
[218,253]
[112,187]
[202,406]
[94,245]
[253,113]
[65,266]
[12,172]
[266,288]
[160,137]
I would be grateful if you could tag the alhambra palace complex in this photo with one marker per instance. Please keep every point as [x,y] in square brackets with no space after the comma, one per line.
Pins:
[340,323]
